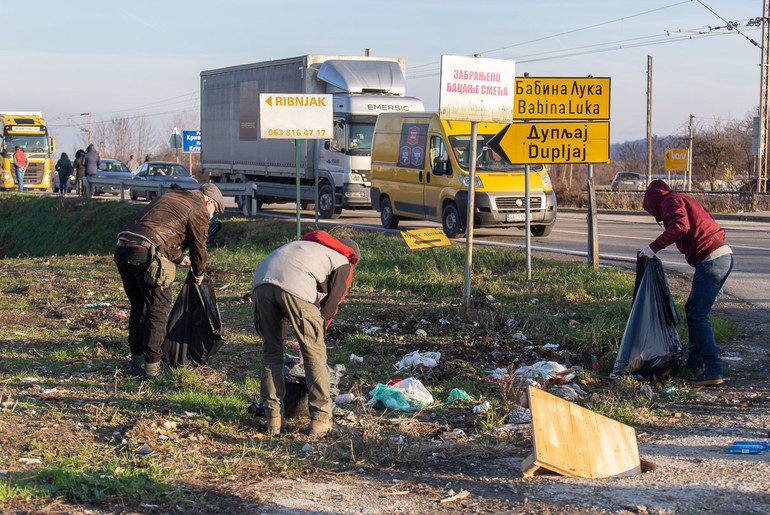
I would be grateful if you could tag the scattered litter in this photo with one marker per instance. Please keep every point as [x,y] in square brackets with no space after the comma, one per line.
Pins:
[545,370]
[419,359]
[169,425]
[51,394]
[551,346]
[30,461]
[490,298]
[191,414]
[510,322]
[30,380]
[732,358]
[765,444]
[3,472]
[568,391]
[457,395]
[519,416]
[345,398]
[421,332]
[398,440]
[520,336]
[668,390]
[97,305]
[647,390]
[482,408]
[405,395]
[499,374]
[443,322]
[356,359]
[144,450]
[462,494]
[145,505]
[535,301]
[454,433]
[371,330]
[746,448]
[308,448]
[394,327]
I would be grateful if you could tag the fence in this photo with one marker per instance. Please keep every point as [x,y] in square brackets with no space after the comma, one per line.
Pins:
[244,193]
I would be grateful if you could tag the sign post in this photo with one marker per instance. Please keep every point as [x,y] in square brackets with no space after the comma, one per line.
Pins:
[297,117]
[175,142]
[677,160]
[474,89]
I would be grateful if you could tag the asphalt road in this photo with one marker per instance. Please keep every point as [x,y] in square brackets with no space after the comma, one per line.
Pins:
[620,237]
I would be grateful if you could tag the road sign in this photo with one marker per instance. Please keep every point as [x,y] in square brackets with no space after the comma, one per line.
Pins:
[295,116]
[175,141]
[554,142]
[675,160]
[425,238]
[191,141]
[475,89]
[562,98]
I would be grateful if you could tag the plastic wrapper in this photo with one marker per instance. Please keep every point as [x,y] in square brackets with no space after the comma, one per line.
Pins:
[650,344]
[406,395]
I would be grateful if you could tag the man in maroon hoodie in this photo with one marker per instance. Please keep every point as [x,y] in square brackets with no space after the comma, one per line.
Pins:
[701,240]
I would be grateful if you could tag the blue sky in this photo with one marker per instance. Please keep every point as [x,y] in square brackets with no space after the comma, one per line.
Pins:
[145,57]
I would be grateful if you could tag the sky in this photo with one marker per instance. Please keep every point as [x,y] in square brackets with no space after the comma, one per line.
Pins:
[144,58]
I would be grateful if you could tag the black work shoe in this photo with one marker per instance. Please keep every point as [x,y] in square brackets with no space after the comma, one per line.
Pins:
[133,369]
[706,380]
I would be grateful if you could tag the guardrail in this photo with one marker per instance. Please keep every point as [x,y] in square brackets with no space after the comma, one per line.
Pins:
[247,191]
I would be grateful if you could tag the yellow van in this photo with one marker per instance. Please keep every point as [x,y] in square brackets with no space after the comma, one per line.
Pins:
[420,171]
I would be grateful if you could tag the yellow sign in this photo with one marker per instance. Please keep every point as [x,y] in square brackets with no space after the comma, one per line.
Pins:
[675,160]
[295,116]
[562,98]
[554,142]
[425,238]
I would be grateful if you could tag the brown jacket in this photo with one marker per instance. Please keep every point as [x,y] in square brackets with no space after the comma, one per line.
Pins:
[176,221]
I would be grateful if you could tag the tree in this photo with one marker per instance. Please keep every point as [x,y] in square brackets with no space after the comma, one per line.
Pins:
[721,152]
[123,136]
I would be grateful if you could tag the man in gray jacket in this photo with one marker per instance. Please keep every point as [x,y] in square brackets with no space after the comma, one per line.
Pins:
[303,282]
[91,162]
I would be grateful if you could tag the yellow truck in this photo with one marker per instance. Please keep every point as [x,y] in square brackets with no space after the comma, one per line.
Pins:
[420,170]
[29,131]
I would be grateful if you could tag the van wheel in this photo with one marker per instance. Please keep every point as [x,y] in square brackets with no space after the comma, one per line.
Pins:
[326,207]
[388,219]
[541,230]
[450,220]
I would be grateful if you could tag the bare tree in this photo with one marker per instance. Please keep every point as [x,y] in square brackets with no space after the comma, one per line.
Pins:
[121,137]
[722,151]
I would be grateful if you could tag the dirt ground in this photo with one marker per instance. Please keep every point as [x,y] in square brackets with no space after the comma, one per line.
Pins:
[685,441]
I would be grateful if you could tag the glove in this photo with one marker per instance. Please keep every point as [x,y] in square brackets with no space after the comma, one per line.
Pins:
[199,279]
[646,253]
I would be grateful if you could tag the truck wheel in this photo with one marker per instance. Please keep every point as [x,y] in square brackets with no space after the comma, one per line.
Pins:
[541,230]
[450,221]
[388,219]
[326,207]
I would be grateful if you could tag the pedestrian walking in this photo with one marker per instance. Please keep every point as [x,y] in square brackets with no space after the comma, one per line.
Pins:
[302,282]
[173,223]
[80,171]
[91,162]
[64,169]
[690,226]
[19,166]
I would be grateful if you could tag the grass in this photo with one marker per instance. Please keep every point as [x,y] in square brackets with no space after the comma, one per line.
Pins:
[64,318]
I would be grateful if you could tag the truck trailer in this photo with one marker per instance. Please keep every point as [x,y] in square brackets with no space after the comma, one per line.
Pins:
[337,170]
[28,131]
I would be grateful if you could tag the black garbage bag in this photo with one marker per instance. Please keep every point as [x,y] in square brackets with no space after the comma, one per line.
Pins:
[650,344]
[194,330]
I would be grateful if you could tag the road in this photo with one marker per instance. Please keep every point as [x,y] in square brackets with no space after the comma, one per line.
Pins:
[620,237]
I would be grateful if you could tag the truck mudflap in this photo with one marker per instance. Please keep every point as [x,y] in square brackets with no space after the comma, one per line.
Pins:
[507,210]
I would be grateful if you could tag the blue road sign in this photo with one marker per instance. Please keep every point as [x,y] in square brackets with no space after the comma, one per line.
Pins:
[191,141]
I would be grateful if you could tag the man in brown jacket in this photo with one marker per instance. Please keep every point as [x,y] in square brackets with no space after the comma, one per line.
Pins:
[174,222]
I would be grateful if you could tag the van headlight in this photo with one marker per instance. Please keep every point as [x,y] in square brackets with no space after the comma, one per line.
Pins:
[546,180]
[465,180]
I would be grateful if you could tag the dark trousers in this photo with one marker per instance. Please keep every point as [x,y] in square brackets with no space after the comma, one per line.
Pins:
[150,305]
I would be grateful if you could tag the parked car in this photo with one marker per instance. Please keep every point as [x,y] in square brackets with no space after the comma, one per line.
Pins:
[159,171]
[111,169]
[629,181]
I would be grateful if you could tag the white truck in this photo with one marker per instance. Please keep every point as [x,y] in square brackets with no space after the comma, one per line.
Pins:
[340,167]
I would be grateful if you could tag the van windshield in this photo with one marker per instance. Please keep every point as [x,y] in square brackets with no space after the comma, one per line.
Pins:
[487,160]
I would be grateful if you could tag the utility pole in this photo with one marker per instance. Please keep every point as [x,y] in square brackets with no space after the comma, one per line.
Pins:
[763,100]
[88,133]
[649,119]
[688,173]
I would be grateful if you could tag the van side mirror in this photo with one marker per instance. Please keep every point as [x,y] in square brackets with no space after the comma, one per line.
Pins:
[441,166]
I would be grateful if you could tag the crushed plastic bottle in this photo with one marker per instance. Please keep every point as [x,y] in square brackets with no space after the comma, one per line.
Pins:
[482,408]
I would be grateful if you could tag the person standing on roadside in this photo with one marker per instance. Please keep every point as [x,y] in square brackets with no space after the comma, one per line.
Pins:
[174,222]
[132,163]
[19,166]
[64,168]
[690,226]
[302,282]
[80,171]
[91,162]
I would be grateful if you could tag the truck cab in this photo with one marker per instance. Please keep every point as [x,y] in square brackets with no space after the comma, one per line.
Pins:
[27,130]
[420,170]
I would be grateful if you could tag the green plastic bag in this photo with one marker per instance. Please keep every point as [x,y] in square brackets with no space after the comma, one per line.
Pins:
[406,395]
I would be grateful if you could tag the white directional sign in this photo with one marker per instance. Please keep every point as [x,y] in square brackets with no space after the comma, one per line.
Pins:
[295,116]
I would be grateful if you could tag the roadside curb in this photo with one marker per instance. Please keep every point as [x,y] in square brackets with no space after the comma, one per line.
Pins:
[758,216]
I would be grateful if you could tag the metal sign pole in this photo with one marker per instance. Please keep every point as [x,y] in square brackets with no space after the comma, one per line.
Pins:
[593,232]
[297,143]
[469,220]
[527,233]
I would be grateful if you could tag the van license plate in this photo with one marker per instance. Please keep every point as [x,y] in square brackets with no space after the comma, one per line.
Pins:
[514,217]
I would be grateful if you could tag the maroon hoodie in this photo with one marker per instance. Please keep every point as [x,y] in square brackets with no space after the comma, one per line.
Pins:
[687,223]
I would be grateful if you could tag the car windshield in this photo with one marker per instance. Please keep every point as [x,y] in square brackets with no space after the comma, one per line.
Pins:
[487,160]
[167,170]
[113,166]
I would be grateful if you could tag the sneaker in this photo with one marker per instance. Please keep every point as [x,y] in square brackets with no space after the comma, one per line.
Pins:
[706,380]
